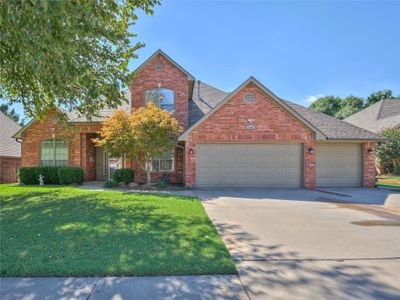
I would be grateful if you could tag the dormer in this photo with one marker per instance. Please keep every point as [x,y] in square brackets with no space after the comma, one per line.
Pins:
[163,81]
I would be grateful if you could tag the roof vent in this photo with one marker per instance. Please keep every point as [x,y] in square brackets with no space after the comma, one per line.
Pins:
[159,66]
[249,98]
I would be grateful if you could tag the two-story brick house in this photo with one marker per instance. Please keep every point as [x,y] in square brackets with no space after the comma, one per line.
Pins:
[246,138]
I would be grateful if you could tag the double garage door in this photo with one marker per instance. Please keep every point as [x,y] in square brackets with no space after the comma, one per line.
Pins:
[249,165]
[275,165]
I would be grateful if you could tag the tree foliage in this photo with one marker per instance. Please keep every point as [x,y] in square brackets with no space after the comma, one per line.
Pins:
[11,113]
[390,149]
[72,54]
[343,108]
[378,96]
[348,106]
[148,132]
[329,105]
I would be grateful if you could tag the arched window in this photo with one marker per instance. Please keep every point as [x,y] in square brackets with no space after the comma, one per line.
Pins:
[164,98]
[54,153]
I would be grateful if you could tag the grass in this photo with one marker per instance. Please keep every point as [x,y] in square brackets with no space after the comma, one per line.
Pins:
[388,177]
[66,231]
[389,184]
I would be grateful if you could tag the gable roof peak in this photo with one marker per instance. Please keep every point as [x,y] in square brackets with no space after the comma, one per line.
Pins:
[165,55]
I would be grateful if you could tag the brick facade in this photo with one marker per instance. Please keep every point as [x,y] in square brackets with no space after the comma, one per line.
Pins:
[9,166]
[170,77]
[81,150]
[369,171]
[272,124]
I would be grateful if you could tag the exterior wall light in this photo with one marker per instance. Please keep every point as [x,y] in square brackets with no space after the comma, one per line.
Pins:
[190,151]
[370,151]
[311,150]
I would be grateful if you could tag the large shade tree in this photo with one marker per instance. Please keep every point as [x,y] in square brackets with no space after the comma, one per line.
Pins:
[348,106]
[73,54]
[147,133]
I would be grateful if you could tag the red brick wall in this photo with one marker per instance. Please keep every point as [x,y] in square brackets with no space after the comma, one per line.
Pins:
[273,124]
[175,177]
[369,165]
[80,146]
[170,77]
[8,168]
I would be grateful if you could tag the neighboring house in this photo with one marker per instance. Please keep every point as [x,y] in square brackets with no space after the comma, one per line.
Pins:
[378,116]
[246,138]
[10,150]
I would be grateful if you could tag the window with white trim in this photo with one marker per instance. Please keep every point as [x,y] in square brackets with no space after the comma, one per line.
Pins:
[163,163]
[54,153]
[164,98]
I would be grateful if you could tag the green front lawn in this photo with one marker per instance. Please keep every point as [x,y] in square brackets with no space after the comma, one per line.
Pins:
[66,231]
[392,184]
[388,177]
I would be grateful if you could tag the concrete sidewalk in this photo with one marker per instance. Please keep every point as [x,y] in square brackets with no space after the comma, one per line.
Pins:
[157,287]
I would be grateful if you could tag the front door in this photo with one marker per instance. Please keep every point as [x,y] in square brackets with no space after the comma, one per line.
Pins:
[101,164]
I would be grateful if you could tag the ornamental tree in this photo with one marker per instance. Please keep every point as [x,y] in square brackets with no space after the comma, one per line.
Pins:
[390,149]
[72,54]
[148,132]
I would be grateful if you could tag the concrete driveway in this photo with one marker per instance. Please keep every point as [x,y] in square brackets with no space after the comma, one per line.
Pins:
[299,244]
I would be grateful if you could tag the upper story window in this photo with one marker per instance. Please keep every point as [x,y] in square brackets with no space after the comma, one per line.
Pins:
[54,153]
[164,98]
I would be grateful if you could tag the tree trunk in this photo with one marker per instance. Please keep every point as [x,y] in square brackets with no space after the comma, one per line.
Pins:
[148,182]
[148,170]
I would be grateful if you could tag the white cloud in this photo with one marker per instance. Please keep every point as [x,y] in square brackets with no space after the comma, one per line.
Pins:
[311,99]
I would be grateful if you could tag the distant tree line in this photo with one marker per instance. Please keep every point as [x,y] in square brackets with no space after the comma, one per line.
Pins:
[343,108]
[11,113]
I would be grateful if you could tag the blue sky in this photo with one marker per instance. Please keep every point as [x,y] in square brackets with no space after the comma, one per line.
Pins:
[297,49]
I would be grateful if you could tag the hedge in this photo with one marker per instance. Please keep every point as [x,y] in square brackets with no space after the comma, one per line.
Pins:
[123,175]
[51,175]
[69,175]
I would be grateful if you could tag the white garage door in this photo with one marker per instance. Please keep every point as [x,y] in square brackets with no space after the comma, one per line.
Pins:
[249,165]
[338,165]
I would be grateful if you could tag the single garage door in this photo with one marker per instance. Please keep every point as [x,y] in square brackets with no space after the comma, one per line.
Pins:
[338,165]
[249,165]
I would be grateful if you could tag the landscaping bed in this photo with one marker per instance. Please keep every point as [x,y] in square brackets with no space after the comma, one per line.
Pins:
[67,231]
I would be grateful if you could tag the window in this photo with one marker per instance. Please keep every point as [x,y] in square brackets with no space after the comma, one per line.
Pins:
[164,98]
[54,153]
[249,98]
[164,163]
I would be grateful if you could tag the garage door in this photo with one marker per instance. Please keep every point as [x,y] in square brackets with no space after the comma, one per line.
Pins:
[249,165]
[338,165]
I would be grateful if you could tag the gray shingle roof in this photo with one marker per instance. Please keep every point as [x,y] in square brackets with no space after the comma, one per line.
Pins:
[380,115]
[8,145]
[331,127]
[74,117]
[205,98]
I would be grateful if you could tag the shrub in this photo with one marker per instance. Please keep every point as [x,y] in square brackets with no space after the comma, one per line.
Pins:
[110,183]
[30,175]
[69,175]
[163,182]
[123,175]
[51,175]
